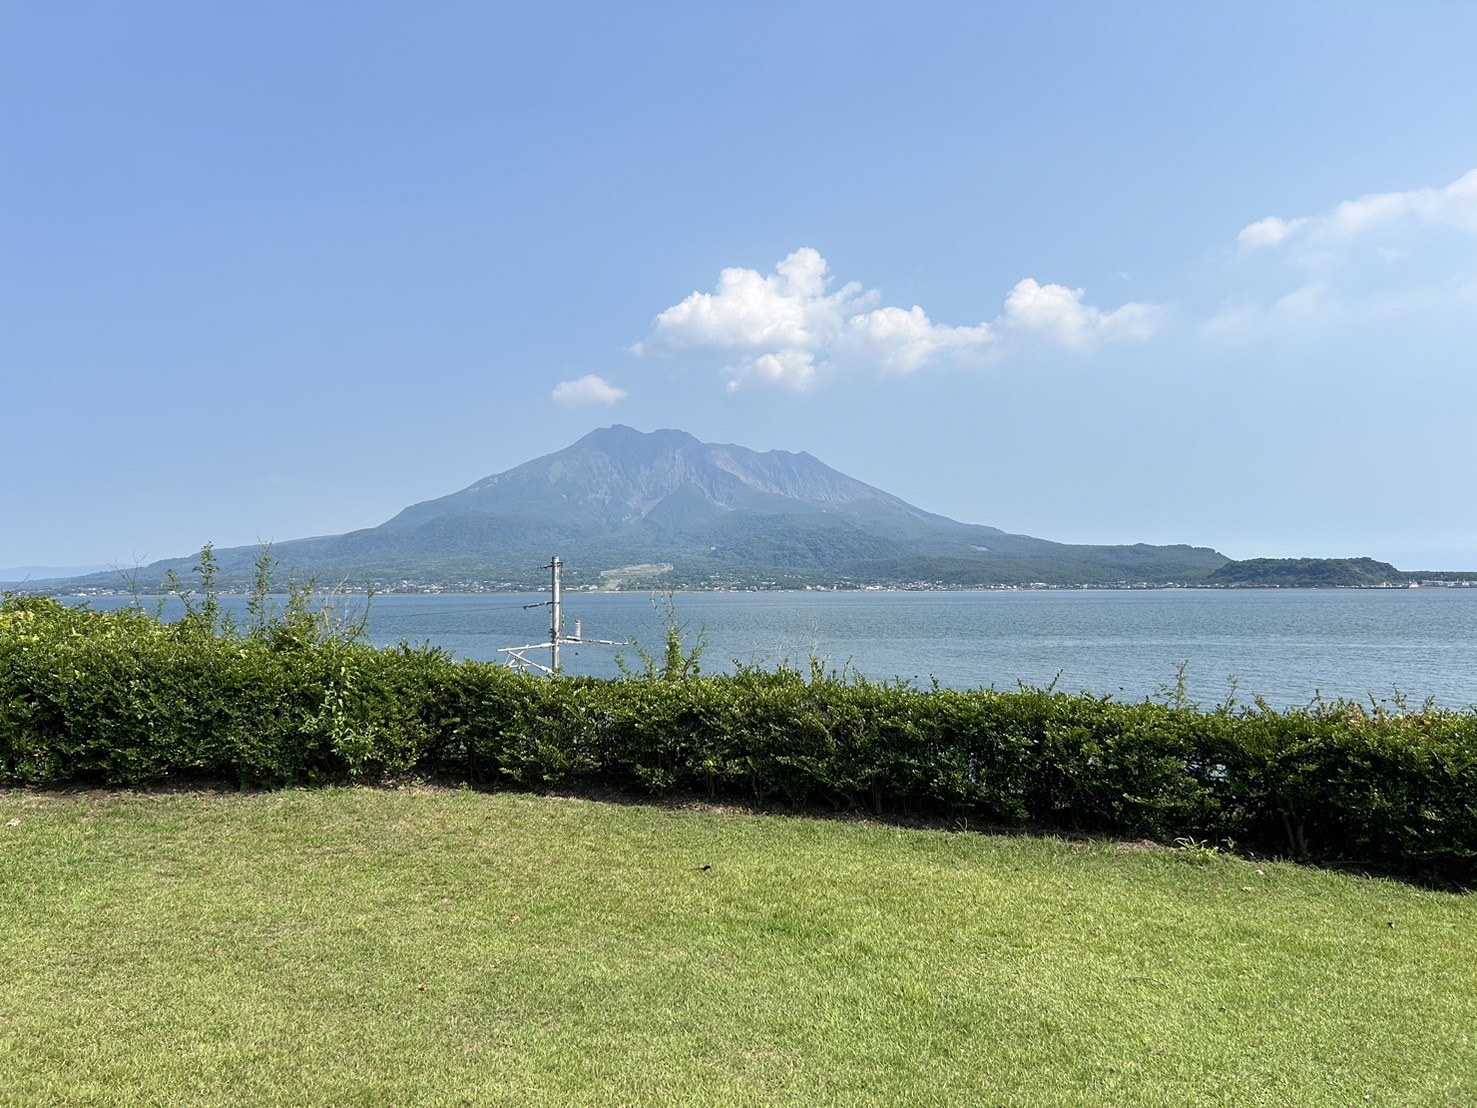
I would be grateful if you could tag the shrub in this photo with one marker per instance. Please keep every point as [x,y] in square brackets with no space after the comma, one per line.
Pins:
[121,698]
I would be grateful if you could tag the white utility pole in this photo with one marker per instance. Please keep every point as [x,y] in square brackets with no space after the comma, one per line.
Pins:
[518,655]
[556,618]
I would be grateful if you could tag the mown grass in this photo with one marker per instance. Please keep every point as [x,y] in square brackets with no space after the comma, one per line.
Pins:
[353,946]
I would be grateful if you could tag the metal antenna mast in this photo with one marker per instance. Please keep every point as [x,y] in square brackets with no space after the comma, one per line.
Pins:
[518,655]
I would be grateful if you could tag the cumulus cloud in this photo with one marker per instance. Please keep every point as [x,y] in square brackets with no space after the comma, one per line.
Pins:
[768,327]
[1453,207]
[586,391]
[1059,313]
[786,328]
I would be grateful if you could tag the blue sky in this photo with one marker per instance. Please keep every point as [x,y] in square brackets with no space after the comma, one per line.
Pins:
[1094,272]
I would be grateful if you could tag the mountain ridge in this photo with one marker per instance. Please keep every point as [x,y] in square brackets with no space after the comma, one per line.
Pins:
[639,470]
[718,514]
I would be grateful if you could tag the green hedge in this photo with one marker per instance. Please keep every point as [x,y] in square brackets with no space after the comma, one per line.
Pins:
[122,699]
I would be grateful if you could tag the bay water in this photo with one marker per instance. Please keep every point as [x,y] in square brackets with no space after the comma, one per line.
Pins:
[1289,646]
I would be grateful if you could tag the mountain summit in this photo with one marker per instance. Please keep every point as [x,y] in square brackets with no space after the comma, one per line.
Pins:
[660,508]
[618,477]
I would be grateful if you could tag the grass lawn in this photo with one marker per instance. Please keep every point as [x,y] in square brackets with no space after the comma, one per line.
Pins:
[352,946]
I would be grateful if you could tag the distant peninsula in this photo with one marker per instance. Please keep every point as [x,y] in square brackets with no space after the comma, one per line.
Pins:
[1327,573]
[1308,573]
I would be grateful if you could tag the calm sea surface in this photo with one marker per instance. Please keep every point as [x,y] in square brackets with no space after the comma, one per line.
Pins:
[1286,645]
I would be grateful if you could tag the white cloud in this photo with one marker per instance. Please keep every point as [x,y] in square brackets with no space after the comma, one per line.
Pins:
[791,366]
[785,328]
[587,390]
[1058,313]
[1382,256]
[1453,207]
[749,312]
[899,341]
[1271,231]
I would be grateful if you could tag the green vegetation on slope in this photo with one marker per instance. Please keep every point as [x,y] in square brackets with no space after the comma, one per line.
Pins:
[1308,573]
[427,948]
[719,514]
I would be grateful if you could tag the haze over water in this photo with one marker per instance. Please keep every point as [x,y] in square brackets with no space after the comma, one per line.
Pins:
[1287,646]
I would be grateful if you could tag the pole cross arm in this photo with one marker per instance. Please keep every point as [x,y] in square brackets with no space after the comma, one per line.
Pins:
[517,659]
[518,655]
